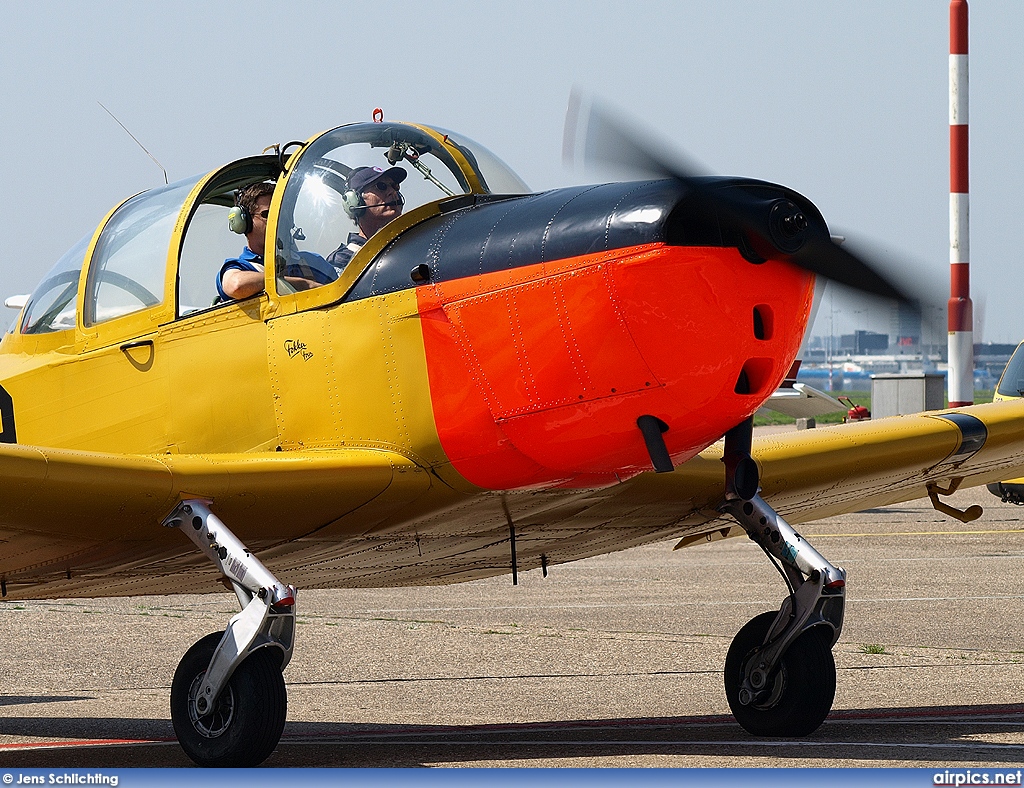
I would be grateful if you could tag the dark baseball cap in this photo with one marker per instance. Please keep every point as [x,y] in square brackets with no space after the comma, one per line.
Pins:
[362,177]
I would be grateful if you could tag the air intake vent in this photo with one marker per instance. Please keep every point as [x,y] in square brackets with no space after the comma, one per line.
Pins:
[754,377]
[764,322]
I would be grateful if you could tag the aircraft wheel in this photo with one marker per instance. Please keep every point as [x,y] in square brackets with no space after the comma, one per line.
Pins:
[799,694]
[246,722]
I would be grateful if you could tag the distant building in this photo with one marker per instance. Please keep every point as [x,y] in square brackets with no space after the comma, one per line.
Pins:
[908,327]
[863,343]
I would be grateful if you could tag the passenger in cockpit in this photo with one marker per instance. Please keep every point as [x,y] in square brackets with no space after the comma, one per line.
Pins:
[242,276]
[373,199]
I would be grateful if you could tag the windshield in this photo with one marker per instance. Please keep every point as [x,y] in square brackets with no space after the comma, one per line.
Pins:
[52,305]
[353,180]
[1011,384]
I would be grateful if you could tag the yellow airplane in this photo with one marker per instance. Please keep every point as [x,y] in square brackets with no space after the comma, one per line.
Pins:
[1010,387]
[494,381]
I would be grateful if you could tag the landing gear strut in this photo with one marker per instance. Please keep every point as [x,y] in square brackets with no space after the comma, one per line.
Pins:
[780,676]
[228,698]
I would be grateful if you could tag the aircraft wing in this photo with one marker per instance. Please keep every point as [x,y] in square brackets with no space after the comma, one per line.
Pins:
[812,474]
[805,475]
[801,401]
[86,524]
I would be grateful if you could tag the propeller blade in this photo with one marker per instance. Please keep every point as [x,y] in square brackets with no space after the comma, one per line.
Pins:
[770,226]
[593,134]
[827,258]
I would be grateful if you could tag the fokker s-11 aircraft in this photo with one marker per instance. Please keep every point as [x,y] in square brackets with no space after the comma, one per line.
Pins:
[497,381]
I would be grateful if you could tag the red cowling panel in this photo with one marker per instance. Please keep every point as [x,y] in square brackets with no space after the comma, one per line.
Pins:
[558,340]
[537,375]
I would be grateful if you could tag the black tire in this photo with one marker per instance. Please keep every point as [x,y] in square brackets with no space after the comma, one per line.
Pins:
[245,724]
[802,687]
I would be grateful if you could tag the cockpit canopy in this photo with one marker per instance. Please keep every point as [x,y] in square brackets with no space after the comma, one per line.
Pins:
[437,164]
[169,243]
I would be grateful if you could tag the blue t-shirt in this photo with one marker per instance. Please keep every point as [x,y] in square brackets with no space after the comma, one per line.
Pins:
[303,264]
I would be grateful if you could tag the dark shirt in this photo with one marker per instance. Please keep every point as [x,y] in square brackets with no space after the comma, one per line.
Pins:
[341,256]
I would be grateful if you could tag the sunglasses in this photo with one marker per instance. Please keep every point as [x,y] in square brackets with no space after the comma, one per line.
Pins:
[264,215]
[383,186]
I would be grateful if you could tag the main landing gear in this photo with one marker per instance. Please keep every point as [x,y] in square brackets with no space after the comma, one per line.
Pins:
[780,677]
[228,698]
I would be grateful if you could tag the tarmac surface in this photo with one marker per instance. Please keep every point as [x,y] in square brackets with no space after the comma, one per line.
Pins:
[614,661]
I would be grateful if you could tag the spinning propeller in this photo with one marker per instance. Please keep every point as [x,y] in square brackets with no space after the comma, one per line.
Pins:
[766,225]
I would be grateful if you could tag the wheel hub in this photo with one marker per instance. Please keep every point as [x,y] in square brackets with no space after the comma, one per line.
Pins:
[210,722]
[763,691]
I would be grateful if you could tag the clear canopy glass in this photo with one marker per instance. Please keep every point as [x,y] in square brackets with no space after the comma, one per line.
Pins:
[129,265]
[128,269]
[314,218]
[52,305]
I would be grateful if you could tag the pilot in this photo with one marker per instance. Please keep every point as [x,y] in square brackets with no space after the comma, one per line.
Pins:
[242,276]
[372,200]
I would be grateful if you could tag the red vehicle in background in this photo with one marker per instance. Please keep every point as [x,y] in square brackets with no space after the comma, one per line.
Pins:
[856,412]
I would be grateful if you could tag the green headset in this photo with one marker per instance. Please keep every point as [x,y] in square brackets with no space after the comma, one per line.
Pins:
[353,204]
[239,220]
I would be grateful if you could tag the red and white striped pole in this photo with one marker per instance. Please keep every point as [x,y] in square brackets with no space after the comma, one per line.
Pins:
[961,311]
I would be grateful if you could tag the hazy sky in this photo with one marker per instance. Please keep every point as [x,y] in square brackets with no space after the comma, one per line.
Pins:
[844,102]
